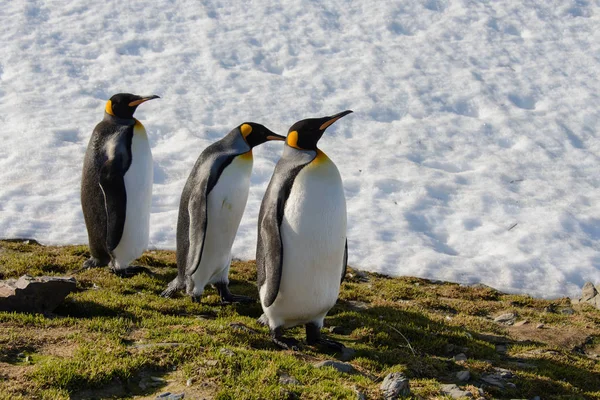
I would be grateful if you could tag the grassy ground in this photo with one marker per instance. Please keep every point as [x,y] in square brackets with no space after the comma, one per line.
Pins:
[116,338]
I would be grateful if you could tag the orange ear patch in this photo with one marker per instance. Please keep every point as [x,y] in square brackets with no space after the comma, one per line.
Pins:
[246,130]
[292,140]
[108,108]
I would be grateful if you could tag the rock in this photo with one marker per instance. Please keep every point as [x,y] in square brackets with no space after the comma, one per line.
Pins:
[539,326]
[37,295]
[567,311]
[521,323]
[503,373]
[285,379]
[338,330]
[227,352]
[395,385]
[588,292]
[189,382]
[163,395]
[463,376]
[338,365]
[455,392]
[460,357]
[506,319]
[494,380]
[347,354]
[511,385]
[501,348]
[357,305]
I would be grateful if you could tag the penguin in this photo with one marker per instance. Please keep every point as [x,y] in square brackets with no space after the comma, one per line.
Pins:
[302,249]
[210,210]
[116,187]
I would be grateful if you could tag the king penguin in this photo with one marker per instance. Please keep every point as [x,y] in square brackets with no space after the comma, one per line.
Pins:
[116,186]
[210,210]
[302,249]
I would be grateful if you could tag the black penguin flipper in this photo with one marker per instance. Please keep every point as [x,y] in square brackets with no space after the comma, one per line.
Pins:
[197,230]
[115,200]
[269,250]
[345,262]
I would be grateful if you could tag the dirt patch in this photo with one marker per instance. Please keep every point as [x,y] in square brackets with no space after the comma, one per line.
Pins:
[567,337]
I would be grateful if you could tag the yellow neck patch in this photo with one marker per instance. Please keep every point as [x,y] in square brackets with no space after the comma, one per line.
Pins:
[108,108]
[246,130]
[247,156]
[320,158]
[292,140]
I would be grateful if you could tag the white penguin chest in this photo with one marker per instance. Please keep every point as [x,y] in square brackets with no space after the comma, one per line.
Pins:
[138,188]
[313,233]
[225,206]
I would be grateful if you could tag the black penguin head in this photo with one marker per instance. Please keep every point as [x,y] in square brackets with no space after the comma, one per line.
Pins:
[123,105]
[256,134]
[305,134]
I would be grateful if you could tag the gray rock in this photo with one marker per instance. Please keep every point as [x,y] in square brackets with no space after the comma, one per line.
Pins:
[285,379]
[506,319]
[501,348]
[503,373]
[493,380]
[338,365]
[347,354]
[395,385]
[358,305]
[36,295]
[455,392]
[227,352]
[588,292]
[460,357]
[463,376]
[567,311]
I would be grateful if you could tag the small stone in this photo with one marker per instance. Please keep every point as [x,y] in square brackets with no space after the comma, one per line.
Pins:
[511,385]
[506,319]
[285,379]
[504,373]
[460,357]
[163,395]
[395,385]
[521,323]
[347,354]
[227,352]
[337,365]
[588,291]
[455,392]
[463,376]
[501,348]
[211,363]
[493,380]
[358,305]
[189,382]
[567,311]
[539,326]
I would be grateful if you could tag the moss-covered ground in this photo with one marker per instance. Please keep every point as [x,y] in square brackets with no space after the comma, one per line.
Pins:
[117,338]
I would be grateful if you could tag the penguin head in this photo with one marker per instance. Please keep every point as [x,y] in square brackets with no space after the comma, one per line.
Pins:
[123,105]
[255,134]
[305,134]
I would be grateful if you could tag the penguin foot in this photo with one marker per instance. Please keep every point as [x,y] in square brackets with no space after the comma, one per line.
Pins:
[283,342]
[92,263]
[171,289]
[227,297]
[313,337]
[263,320]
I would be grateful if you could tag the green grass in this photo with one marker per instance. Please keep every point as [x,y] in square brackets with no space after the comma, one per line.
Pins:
[114,338]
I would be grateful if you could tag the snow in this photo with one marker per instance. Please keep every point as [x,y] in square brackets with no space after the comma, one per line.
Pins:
[472,154]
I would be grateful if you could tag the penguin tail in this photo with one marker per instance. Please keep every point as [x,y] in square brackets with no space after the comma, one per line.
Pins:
[174,286]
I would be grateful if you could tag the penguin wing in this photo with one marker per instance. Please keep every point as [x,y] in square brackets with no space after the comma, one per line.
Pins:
[269,249]
[202,180]
[115,199]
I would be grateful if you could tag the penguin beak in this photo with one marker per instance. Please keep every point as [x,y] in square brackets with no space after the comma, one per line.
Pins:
[333,118]
[136,103]
[273,136]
